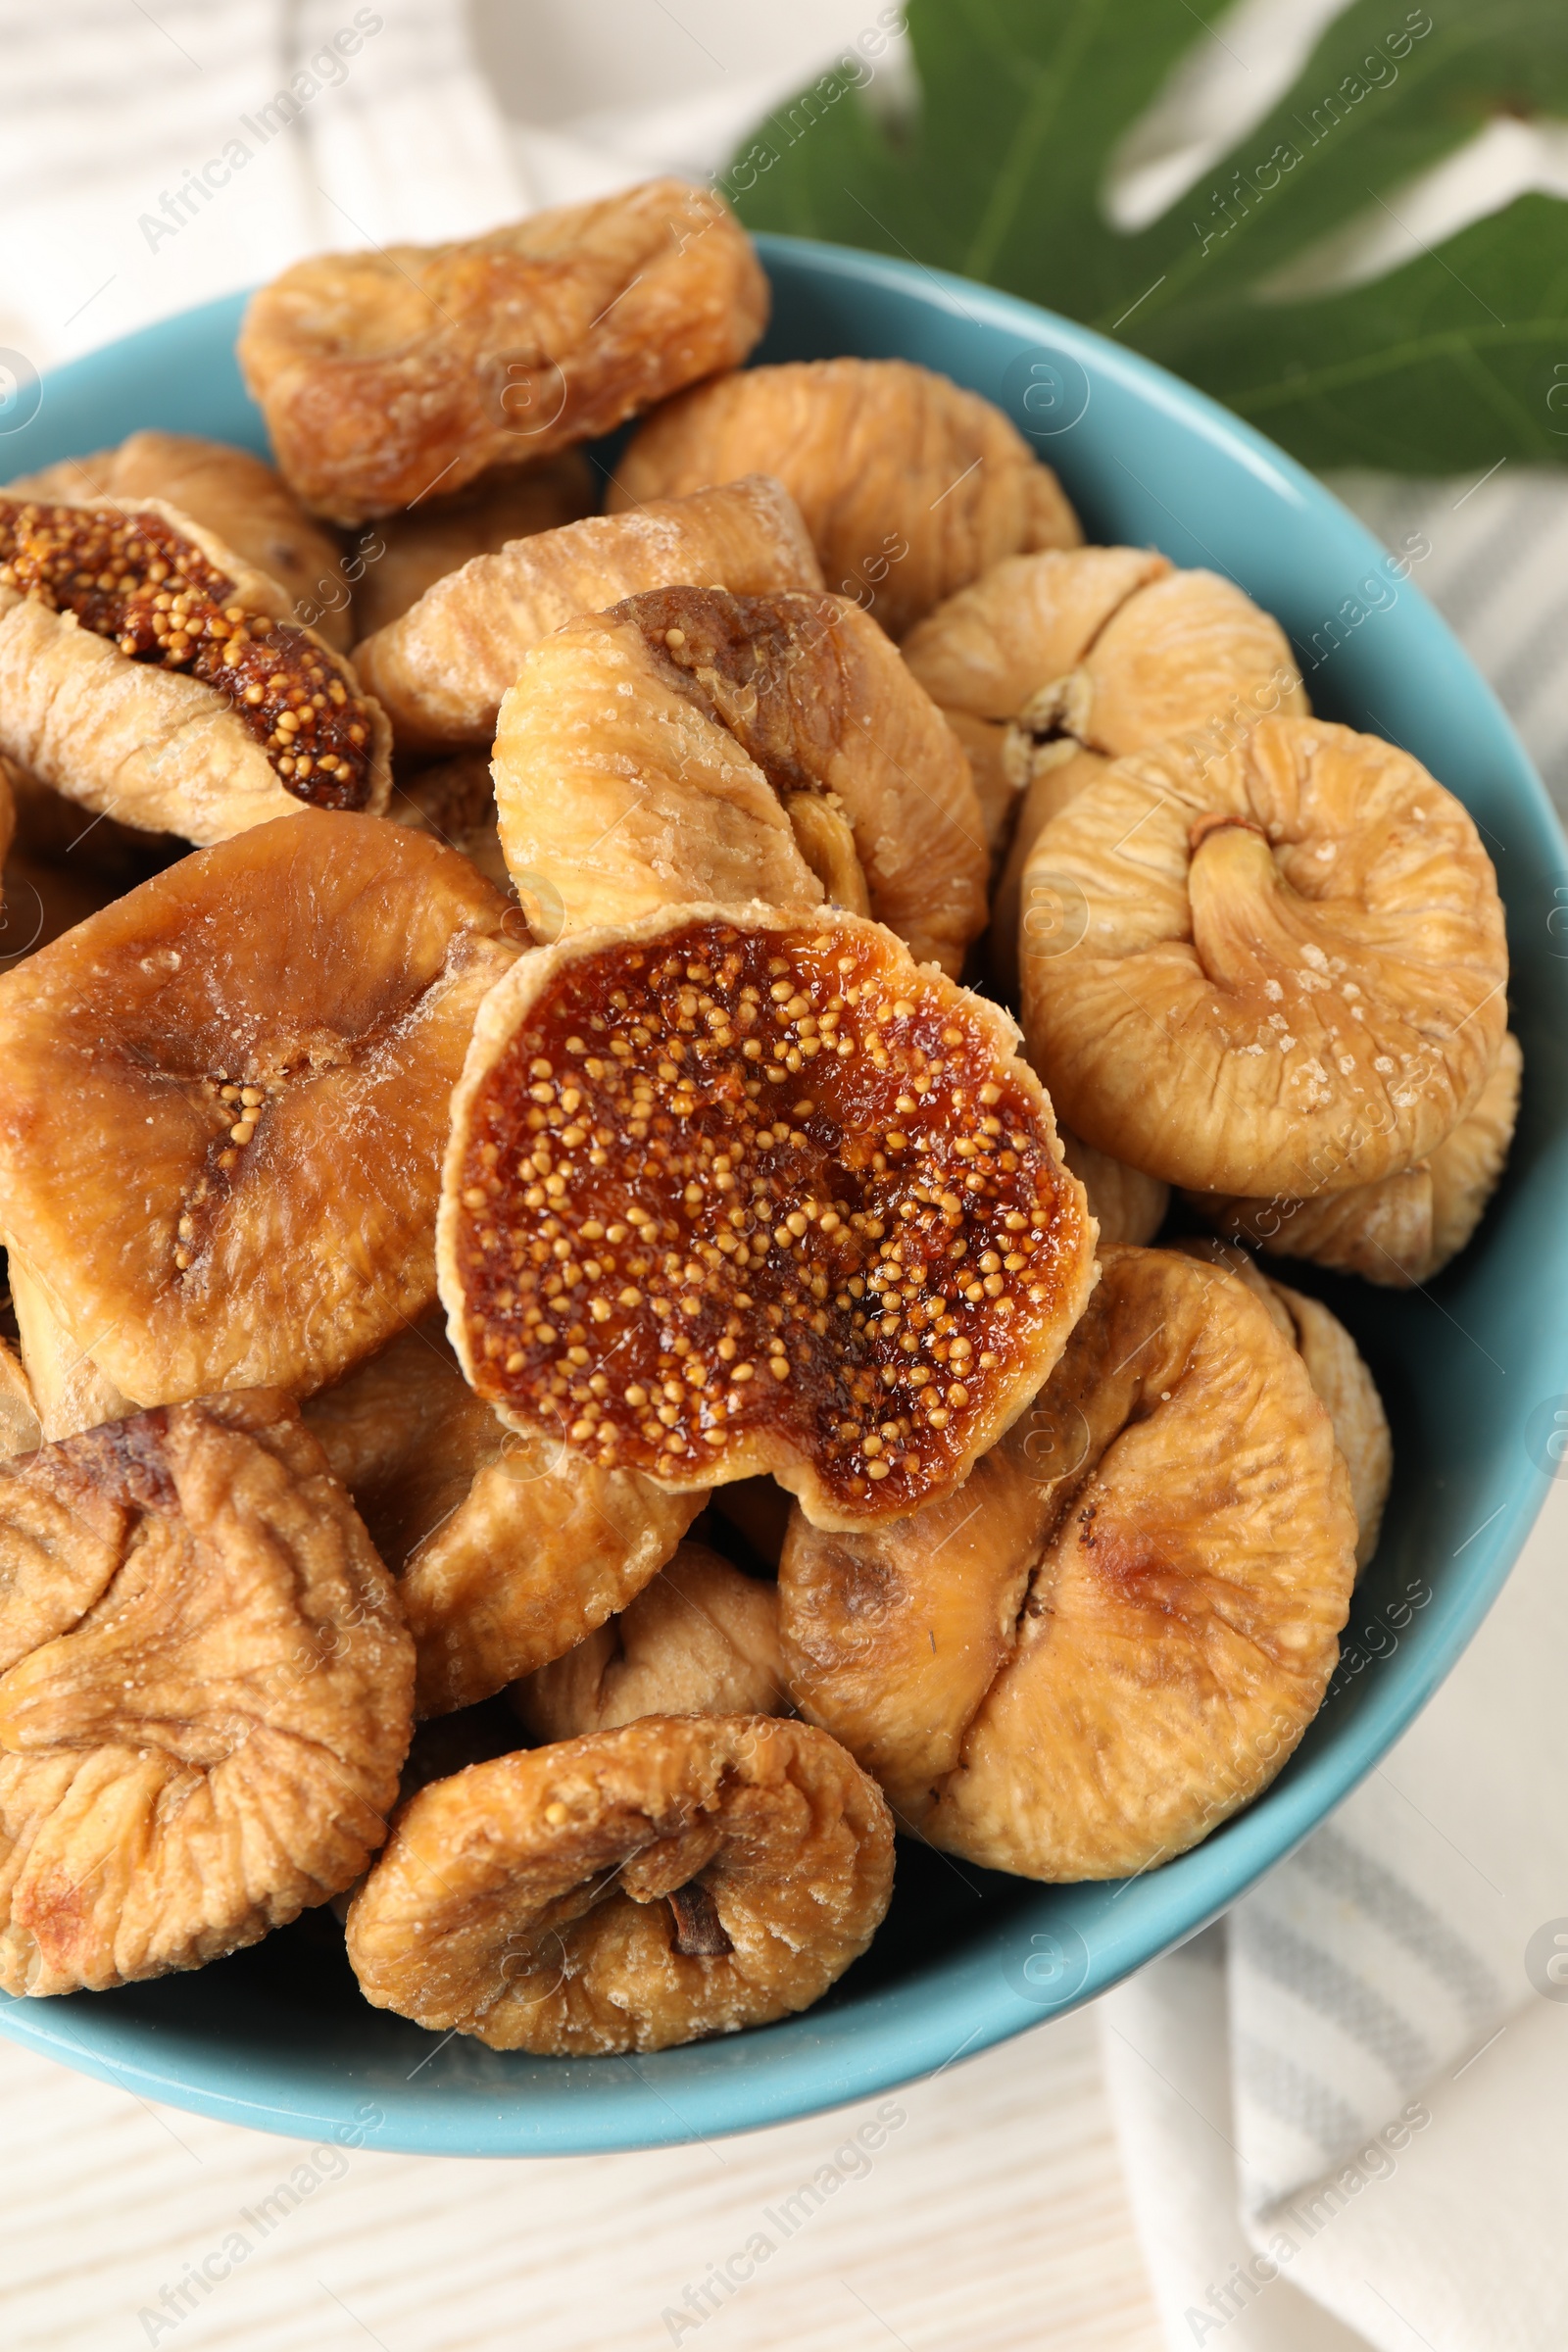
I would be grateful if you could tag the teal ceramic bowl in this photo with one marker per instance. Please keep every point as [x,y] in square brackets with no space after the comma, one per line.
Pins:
[1474,1371]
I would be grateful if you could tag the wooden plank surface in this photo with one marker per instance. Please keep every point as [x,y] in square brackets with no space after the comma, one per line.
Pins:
[991,2217]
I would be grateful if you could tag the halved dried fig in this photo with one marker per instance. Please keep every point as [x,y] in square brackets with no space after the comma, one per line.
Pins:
[151,673]
[384,374]
[1285,966]
[508,1551]
[222,1100]
[689,744]
[700,1638]
[909,486]
[1114,1633]
[745,1191]
[442,670]
[627,1891]
[1405,1229]
[231,493]
[402,554]
[1126,1205]
[205,1694]
[1338,1372]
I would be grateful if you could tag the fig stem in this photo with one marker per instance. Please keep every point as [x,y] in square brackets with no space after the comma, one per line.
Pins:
[1203,827]
[699,1929]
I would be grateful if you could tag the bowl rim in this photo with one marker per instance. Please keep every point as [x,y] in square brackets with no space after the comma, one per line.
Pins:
[1000,1985]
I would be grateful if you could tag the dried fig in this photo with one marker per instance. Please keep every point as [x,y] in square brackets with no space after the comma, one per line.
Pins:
[627,1891]
[909,486]
[442,670]
[1405,1228]
[386,374]
[221,1103]
[205,1694]
[1285,966]
[700,1638]
[1114,1633]
[1051,666]
[507,1551]
[231,493]
[745,1191]
[402,554]
[690,744]
[148,671]
[1125,1204]
[1336,1368]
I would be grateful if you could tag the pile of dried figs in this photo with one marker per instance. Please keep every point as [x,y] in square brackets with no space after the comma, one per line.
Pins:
[528,1213]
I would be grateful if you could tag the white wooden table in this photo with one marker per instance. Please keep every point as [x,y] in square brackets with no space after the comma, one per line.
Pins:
[991,2217]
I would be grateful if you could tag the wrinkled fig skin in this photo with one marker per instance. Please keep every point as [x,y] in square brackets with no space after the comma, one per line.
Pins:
[1278,968]
[231,493]
[1337,1371]
[443,668]
[909,486]
[222,1102]
[1112,1636]
[507,1551]
[1405,1229]
[700,1640]
[1054,664]
[398,559]
[548,1901]
[689,744]
[654,1242]
[384,373]
[205,1694]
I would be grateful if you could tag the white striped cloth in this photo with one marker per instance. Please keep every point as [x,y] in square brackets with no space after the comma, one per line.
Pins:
[1343,2114]
[1343,2111]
